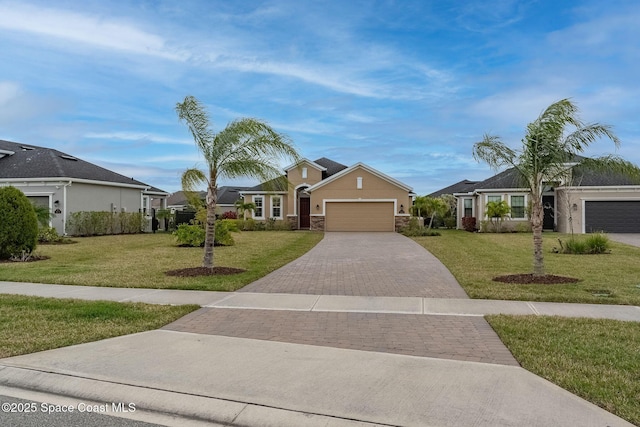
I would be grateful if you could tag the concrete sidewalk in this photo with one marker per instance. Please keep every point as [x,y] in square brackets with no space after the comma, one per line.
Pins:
[244,382]
[326,303]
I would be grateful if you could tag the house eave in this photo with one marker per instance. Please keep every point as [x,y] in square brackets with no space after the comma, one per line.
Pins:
[9,181]
[305,160]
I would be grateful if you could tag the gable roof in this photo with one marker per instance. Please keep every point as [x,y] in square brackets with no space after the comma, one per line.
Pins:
[309,162]
[33,162]
[463,186]
[369,169]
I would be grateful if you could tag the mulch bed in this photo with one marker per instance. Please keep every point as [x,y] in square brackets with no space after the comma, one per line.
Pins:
[204,271]
[526,279]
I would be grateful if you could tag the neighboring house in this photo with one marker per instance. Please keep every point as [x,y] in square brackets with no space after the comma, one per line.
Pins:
[226,199]
[326,195]
[66,184]
[585,202]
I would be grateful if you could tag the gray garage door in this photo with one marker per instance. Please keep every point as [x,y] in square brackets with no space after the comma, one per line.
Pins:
[612,216]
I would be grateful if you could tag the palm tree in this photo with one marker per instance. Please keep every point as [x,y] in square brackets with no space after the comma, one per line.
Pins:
[243,207]
[546,156]
[246,147]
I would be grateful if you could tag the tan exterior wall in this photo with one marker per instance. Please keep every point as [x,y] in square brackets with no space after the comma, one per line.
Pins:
[373,188]
[267,205]
[294,175]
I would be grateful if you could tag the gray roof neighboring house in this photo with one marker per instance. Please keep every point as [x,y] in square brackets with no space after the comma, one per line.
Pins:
[26,161]
[227,195]
[463,186]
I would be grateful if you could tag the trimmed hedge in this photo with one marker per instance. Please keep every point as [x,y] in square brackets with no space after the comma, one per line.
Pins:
[18,223]
[101,223]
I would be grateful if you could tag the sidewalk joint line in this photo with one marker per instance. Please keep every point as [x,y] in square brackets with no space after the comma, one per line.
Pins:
[315,303]
[153,291]
[213,304]
[533,308]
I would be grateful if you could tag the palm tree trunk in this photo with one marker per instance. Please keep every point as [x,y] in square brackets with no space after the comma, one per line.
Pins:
[210,228]
[536,226]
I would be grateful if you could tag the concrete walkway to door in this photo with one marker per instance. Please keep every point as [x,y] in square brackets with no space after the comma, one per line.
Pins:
[363,264]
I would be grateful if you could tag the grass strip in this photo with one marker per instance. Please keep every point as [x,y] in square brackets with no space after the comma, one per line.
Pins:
[476,258]
[596,359]
[31,324]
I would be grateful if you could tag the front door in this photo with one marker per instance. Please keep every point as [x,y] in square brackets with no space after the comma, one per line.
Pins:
[305,210]
[549,212]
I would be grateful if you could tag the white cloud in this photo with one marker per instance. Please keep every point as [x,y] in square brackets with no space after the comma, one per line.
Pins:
[106,33]
[138,136]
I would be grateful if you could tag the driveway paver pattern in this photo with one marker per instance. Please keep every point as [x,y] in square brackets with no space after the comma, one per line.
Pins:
[363,264]
[445,337]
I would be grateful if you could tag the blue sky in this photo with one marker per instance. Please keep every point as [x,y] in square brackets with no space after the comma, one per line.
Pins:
[405,86]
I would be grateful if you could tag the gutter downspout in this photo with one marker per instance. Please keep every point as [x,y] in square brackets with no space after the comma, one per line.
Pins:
[64,211]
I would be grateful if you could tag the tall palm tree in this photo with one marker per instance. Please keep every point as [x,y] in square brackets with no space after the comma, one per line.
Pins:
[546,156]
[246,147]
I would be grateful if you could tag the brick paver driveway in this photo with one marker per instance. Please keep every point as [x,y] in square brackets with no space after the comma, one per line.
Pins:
[363,264]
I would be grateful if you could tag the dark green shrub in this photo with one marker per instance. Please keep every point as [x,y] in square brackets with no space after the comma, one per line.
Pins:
[450,222]
[231,224]
[190,235]
[18,223]
[414,229]
[223,236]
[48,235]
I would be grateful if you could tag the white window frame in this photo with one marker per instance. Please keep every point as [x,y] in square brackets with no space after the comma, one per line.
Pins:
[273,215]
[359,183]
[255,212]
[304,173]
[472,206]
[524,212]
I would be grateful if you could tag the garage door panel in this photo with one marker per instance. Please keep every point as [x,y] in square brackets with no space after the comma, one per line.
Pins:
[612,216]
[360,216]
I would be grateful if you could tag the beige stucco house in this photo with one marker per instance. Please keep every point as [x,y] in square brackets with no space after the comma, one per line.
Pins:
[328,196]
[582,202]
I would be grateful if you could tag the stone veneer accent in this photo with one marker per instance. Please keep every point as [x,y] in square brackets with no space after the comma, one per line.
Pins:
[317,223]
[401,221]
[293,222]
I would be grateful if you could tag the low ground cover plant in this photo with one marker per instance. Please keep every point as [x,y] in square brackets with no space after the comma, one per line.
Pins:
[595,243]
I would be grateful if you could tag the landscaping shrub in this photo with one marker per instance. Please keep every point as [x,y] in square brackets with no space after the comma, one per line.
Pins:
[96,223]
[194,235]
[414,229]
[523,227]
[469,223]
[231,224]
[190,235]
[229,215]
[597,243]
[18,224]
[450,222]
[48,235]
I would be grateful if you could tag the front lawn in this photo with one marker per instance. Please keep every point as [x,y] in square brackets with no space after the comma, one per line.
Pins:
[476,258]
[140,261]
[597,359]
[31,324]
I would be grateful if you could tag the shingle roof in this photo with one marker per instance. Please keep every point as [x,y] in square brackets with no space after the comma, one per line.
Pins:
[278,184]
[588,178]
[30,161]
[509,178]
[332,167]
[463,186]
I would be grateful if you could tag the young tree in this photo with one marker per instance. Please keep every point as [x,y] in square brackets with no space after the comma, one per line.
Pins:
[243,207]
[546,153]
[436,206]
[246,147]
[496,212]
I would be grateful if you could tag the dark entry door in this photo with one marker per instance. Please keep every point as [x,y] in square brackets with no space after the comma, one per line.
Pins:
[549,212]
[305,210]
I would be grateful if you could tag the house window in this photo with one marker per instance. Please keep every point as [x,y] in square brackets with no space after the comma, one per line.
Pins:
[517,206]
[496,199]
[468,207]
[276,207]
[359,183]
[258,212]
[304,173]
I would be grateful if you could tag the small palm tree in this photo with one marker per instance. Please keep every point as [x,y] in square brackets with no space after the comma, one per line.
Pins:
[246,147]
[243,207]
[546,155]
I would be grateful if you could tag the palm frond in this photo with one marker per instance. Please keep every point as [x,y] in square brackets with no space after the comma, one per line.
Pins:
[494,152]
[194,114]
[612,166]
[191,178]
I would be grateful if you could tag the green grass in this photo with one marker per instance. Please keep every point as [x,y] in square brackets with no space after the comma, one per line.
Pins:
[31,324]
[476,258]
[140,261]
[596,359]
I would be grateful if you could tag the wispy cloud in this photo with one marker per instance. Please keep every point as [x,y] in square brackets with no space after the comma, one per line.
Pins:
[138,137]
[85,29]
